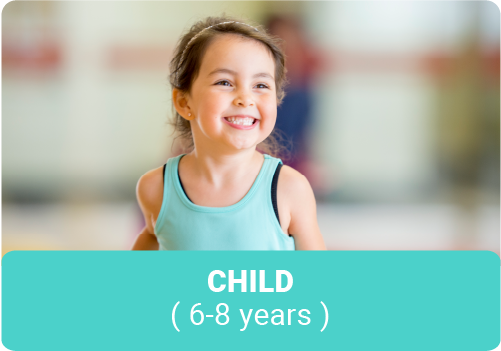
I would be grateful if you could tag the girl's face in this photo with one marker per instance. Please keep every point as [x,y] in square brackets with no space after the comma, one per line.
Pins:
[233,100]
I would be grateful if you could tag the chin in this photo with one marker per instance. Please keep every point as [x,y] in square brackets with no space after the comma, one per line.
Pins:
[243,146]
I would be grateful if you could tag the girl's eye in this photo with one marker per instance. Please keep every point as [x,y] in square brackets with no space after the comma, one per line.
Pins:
[224,83]
[262,86]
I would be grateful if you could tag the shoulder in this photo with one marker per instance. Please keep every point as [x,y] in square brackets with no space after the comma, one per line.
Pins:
[300,208]
[149,189]
[292,184]
[295,192]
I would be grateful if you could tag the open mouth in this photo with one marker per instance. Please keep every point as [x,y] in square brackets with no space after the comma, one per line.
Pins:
[241,121]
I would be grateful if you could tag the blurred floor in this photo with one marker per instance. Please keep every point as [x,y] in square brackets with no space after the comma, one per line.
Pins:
[353,227]
[69,227]
[409,227]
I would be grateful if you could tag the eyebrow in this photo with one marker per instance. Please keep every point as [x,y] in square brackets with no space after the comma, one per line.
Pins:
[225,70]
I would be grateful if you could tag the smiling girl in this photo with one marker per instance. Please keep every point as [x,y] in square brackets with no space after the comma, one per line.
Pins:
[227,79]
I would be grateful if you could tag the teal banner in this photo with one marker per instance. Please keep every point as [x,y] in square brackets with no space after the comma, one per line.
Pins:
[337,300]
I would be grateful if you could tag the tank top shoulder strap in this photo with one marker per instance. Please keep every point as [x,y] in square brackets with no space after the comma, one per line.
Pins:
[273,163]
[271,168]
[168,189]
[274,189]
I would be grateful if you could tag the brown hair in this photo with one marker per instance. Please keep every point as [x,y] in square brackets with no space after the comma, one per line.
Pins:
[188,55]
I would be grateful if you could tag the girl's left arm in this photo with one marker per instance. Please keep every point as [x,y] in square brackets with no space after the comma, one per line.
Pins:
[302,207]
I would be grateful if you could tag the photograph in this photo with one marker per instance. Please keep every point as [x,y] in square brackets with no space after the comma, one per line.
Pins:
[251,125]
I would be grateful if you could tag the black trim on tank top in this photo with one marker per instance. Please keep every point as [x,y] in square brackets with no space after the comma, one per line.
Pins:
[182,187]
[274,183]
[184,191]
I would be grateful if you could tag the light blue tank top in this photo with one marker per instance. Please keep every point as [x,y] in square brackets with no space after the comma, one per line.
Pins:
[250,224]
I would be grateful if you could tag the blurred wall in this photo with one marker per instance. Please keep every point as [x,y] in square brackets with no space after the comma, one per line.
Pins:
[405,113]
[405,77]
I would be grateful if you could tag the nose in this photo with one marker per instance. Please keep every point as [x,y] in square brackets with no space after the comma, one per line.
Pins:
[243,99]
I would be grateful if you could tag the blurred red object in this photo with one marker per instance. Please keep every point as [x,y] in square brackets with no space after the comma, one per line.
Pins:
[41,56]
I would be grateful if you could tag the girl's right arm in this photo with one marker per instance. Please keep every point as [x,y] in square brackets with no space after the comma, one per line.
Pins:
[149,192]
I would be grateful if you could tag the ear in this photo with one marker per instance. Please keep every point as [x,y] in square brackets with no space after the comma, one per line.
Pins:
[180,101]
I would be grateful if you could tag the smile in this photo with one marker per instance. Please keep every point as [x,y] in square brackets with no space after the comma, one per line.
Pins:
[241,122]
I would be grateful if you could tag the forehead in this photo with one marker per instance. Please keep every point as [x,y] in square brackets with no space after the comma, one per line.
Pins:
[238,52]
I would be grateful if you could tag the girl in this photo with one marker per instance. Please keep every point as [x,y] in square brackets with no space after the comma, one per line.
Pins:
[227,78]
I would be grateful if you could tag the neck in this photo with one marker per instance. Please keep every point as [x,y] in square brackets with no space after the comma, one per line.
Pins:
[220,167]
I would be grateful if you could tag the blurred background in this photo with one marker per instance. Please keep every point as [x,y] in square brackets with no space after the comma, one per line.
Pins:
[392,110]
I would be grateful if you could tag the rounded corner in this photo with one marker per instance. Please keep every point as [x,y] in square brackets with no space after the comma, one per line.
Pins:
[2,344]
[495,256]
[7,254]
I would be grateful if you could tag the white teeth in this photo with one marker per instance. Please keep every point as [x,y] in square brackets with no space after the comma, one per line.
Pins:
[246,121]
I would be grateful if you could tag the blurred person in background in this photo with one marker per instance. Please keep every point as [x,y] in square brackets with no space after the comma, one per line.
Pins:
[304,62]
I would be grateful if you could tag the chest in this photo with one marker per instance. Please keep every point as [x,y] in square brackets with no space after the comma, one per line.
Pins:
[210,195]
[258,191]
[247,225]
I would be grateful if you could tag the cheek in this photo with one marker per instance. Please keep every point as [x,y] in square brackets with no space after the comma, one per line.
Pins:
[208,109]
[270,121]
[270,111]
[213,105]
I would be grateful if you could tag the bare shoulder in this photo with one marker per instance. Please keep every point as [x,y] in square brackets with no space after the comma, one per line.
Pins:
[294,195]
[149,191]
[299,209]
[293,185]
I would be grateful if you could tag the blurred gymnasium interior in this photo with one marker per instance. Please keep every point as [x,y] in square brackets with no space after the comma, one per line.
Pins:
[392,111]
